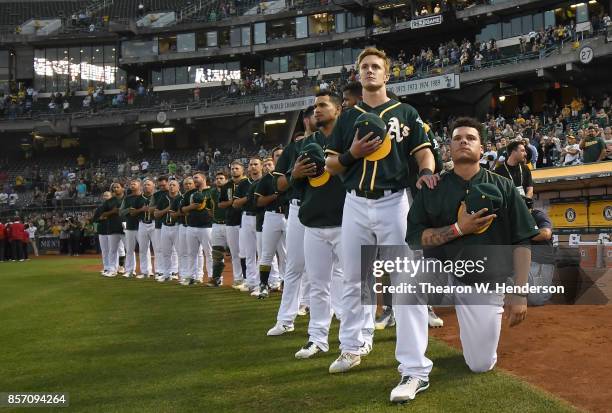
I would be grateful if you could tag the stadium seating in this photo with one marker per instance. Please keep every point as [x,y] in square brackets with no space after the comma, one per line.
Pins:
[15,13]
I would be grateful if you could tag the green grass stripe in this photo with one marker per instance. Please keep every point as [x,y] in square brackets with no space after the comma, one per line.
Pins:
[119,345]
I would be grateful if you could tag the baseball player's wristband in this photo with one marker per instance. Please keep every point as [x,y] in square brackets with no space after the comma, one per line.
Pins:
[346,159]
[425,171]
[457,230]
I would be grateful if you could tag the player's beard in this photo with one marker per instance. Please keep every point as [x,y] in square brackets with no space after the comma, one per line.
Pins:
[322,123]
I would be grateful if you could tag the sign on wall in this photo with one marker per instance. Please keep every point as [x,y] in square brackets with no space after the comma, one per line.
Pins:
[287,105]
[428,84]
[426,22]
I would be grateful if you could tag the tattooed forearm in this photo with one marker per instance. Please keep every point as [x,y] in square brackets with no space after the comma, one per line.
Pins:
[433,237]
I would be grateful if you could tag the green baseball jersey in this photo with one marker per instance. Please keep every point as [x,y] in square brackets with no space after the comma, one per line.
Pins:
[284,166]
[592,149]
[407,136]
[251,206]
[233,216]
[219,214]
[265,187]
[439,207]
[185,202]
[174,204]
[131,222]
[115,225]
[201,217]
[242,190]
[321,206]
[158,197]
[101,225]
[139,202]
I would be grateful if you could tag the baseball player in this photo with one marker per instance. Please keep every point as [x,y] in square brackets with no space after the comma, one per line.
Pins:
[374,175]
[162,191]
[321,214]
[185,277]
[102,230]
[296,289]
[198,213]
[248,237]
[110,212]
[470,207]
[542,254]
[351,95]
[219,237]
[273,228]
[233,217]
[128,213]
[146,228]
[165,209]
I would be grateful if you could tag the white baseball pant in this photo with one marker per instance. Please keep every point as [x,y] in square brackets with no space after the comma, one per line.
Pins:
[366,222]
[169,244]
[274,274]
[130,250]
[183,253]
[479,316]
[295,273]
[232,234]
[197,239]
[248,248]
[157,251]
[145,239]
[207,251]
[103,239]
[114,241]
[273,244]
[219,237]
[323,256]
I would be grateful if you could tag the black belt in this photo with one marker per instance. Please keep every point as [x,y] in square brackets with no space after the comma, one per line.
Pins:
[219,222]
[250,214]
[145,222]
[295,202]
[277,210]
[376,194]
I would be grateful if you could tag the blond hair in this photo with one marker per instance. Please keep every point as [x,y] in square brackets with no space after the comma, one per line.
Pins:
[372,51]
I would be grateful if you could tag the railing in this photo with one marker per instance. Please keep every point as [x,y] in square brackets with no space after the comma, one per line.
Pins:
[191,9]
[97,5]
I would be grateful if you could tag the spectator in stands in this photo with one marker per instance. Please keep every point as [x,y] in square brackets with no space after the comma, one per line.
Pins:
[81,189]
[200,156]
[171,168]
[571,153]
[187,168]
[216,154]
[144,166]
[164,157]
[593,146]
[488,157]
[135,169]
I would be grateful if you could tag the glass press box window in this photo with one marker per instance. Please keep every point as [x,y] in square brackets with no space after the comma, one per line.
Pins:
[301,27]
[186,42]
[260,33]
[321,24]
[76,68]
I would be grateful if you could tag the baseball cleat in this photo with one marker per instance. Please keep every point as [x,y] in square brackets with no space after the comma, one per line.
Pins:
[263,292]
[121,270]
[244,288]
[110,274]
[275,287]
[407,389]
[279,329]
[386,319]
[141,276]
[237,283]
[345,362]
[186,281]
[213,282]
[303,310]
[128,274]
[254,291]
[308,351]
[365,349]
[434,320]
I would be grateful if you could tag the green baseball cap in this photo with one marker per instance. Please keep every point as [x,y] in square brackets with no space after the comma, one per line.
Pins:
[370,122]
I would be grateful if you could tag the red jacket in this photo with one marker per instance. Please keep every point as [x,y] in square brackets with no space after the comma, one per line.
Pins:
[16,232]
[2,231]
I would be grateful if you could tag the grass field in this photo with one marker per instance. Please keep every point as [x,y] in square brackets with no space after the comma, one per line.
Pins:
[120,345]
